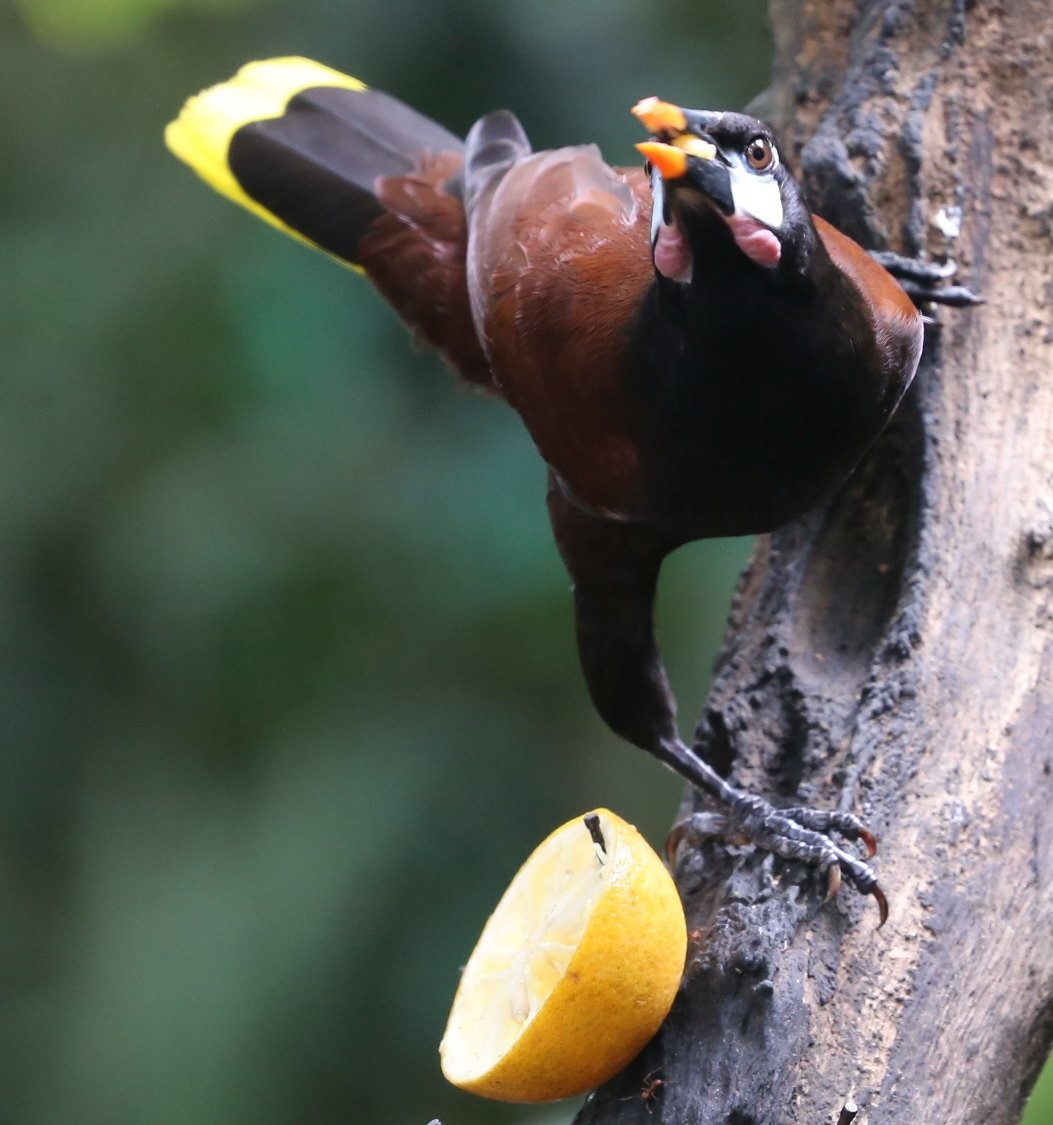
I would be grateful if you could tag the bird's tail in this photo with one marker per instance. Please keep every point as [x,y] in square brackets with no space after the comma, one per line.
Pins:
[301,146]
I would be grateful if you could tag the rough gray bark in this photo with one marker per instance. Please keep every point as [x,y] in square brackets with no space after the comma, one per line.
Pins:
[893,653]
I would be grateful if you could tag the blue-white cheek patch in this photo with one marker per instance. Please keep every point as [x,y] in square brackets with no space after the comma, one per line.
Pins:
[757,196]
[657,203]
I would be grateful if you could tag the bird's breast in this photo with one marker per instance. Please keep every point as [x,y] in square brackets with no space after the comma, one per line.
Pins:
[746,416]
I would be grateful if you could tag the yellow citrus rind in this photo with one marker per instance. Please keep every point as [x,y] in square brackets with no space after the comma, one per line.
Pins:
[573,973]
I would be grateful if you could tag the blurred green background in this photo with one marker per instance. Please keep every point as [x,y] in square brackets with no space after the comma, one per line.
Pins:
[288,683]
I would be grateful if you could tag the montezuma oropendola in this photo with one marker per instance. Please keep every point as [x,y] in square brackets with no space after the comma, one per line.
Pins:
[693,353]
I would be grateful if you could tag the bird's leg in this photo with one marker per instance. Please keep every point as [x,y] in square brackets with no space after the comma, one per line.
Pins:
[614,567]
[923,281]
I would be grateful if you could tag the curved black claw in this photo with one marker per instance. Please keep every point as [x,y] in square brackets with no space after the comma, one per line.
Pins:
[698,826]
[922,281]
[833,882]
[882,903]
[865,881]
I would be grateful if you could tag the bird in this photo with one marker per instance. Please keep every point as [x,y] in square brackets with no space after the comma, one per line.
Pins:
[693,352]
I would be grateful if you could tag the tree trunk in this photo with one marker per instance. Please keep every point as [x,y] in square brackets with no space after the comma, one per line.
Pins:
[893,652]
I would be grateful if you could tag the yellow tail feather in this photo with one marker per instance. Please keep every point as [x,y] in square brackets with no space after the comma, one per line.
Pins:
[200,136]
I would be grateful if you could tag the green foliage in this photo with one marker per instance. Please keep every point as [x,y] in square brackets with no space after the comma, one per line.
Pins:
[1040,1106]
[108,24]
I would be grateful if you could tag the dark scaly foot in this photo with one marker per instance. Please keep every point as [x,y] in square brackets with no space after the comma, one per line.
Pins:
[766,827]
[800,834]
[922,281]
[844,824]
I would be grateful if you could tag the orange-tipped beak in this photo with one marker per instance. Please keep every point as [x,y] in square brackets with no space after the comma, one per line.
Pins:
[670,161]
[660,117]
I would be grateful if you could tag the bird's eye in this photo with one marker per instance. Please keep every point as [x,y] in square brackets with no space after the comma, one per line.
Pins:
[760,155]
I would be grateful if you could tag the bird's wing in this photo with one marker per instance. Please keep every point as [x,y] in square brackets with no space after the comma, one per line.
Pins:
[559,263]
[415,254]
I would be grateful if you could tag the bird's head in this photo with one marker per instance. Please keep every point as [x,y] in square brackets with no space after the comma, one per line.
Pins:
[704,164]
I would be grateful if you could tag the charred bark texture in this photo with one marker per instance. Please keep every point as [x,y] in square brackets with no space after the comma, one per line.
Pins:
[893,653]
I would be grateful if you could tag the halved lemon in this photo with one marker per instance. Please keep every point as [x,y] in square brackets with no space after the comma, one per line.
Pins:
[575,970]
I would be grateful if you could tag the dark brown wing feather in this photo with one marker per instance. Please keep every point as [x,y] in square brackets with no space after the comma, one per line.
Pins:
[542,310]
[560,263]
[415,255]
